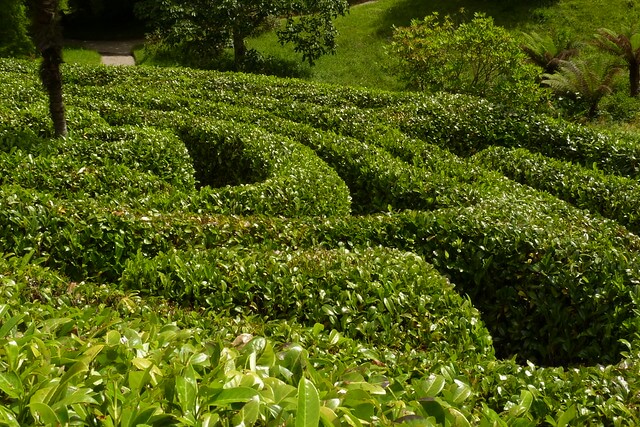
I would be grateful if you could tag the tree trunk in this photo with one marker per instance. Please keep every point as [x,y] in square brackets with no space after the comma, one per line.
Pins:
[48,38]
[634,77]
[239,50]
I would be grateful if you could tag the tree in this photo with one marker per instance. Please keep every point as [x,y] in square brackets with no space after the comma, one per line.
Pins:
[212,25]
[47,36]
[475,57]
[547,51]
[583,82]
[14,37]
[625,45]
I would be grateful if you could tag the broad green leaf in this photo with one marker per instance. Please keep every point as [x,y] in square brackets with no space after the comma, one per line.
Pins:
[187,391]
[113,338]
[328,417]
[82,395]
[209,420]
[567,416]
[44,413]
[56,393]
[268,356]
[10,324]
[368,387]
[308,413]
[461,393]
[250,412]
[234,395]
[490,418]
[349,418]
[91,353]
[141,363]
[10,384]
[12,352]
[137,380]
[433,408]
[198,359]
[279,389]
[458,419]
[145,416]
[432,386]
[7,418]
[526,398]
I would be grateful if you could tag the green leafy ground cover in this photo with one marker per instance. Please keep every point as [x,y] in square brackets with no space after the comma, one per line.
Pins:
[219,249]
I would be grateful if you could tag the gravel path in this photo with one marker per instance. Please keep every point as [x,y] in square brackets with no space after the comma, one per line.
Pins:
[114,52]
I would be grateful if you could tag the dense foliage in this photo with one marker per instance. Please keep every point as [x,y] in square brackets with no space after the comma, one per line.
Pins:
[14,34]
[475,57]
[217,249]
[206,27]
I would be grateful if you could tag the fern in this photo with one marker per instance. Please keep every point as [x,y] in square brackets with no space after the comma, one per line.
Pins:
[582,81]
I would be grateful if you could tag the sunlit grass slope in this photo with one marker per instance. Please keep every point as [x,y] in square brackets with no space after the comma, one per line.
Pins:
[361,60]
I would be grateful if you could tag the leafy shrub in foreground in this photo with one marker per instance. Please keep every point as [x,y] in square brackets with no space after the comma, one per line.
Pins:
[62,320]
[378,296]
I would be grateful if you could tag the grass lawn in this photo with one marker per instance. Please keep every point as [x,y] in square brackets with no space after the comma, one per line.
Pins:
[364,32]
[80,56]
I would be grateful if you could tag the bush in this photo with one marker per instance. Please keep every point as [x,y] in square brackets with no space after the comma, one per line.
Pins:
[555,284]
[261,173]
[475,57]
[612,196]
[466,126]
[14,35]
[379,296]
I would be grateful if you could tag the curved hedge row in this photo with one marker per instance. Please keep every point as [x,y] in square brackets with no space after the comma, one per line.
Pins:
[377,180]
[612,196]
[356,382]
[294,181]
[554,284]
[459,123]
[467,126]
[563,280]
[375,295]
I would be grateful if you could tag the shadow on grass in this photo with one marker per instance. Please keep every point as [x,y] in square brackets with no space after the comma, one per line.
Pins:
[255,63]
[278,66]
[506,13]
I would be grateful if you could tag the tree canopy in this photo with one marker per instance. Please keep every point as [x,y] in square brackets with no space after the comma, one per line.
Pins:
[212,25]
[14,37]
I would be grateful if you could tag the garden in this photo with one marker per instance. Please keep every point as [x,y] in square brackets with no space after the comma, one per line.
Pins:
[210,248]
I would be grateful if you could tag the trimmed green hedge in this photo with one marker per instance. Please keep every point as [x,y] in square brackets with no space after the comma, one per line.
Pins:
[554,284]
[377,296]
[466,126]
[260,172]
[612,196]
[66,176]
[555,288]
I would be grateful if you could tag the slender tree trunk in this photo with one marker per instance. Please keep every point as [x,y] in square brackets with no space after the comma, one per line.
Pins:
[48,38]
[634,77]
[239,49]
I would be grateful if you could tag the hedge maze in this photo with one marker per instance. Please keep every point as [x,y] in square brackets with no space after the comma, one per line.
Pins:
[456,261]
